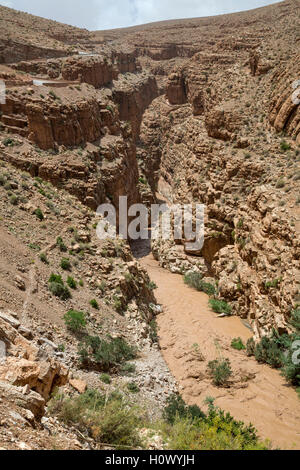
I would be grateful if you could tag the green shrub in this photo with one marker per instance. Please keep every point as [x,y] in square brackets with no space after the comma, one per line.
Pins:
[118,304]
[220,306]
[128,369]
[220,370]
[60,244]
[14,200]
[110,420]
[34,246]
[98,353]
[280,183]
[250,347]
[177,408]
[290,369]
[285,146]
[75,321]
[152,286]
[39,214]
[8,142]
[273,284]
[295,319]
[105,378]
[278,352]
[133,387]
[194,279]
[57,287]
[94,304]
[43,258]
[72,283]
[188,428]
[267,351]
[154,331]
[237,343]
[56,278]
[65,264]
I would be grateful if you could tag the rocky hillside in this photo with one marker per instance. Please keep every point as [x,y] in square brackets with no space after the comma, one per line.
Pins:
[25,37]
[191,111]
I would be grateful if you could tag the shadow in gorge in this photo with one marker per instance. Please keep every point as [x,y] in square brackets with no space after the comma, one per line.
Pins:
[140,248]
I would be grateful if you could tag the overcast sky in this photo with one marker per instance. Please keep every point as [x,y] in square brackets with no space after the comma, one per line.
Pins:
[107,14]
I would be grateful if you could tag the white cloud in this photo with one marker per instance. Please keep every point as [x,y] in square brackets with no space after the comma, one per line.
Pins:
[102,14]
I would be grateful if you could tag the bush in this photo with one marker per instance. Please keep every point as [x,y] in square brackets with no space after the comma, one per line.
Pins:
[152,286]
[291,370]
[295,319]
[60,244]
[105,378]
[14,200]
[250,347]
[188,428]
[273,284]
[43,258]
[38,212]
[8,142]
[220,369]
[267,351]
[177,408]
[194,279]
[56,278]
[133,387]
[237,343]
[280,183]
[285,146]
[128,369]
[108,420]
[99,353]
[57,287]
[279,352]
[220,306]
[200,435]
[71,282]
[154,331]
[75,321]
[94,304]
[65,264]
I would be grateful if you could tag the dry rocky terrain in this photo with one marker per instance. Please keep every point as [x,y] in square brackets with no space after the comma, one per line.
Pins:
[186,111]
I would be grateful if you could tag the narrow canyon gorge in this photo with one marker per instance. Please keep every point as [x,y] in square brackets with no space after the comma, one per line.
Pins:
[184,112]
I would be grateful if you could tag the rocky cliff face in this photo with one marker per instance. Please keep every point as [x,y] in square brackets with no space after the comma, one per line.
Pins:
[105,165]
[284,106]
[133,94]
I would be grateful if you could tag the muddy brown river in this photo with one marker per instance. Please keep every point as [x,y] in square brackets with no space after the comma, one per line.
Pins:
[191,335]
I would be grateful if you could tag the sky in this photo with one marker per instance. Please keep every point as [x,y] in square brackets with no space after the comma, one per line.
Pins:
[109,14]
